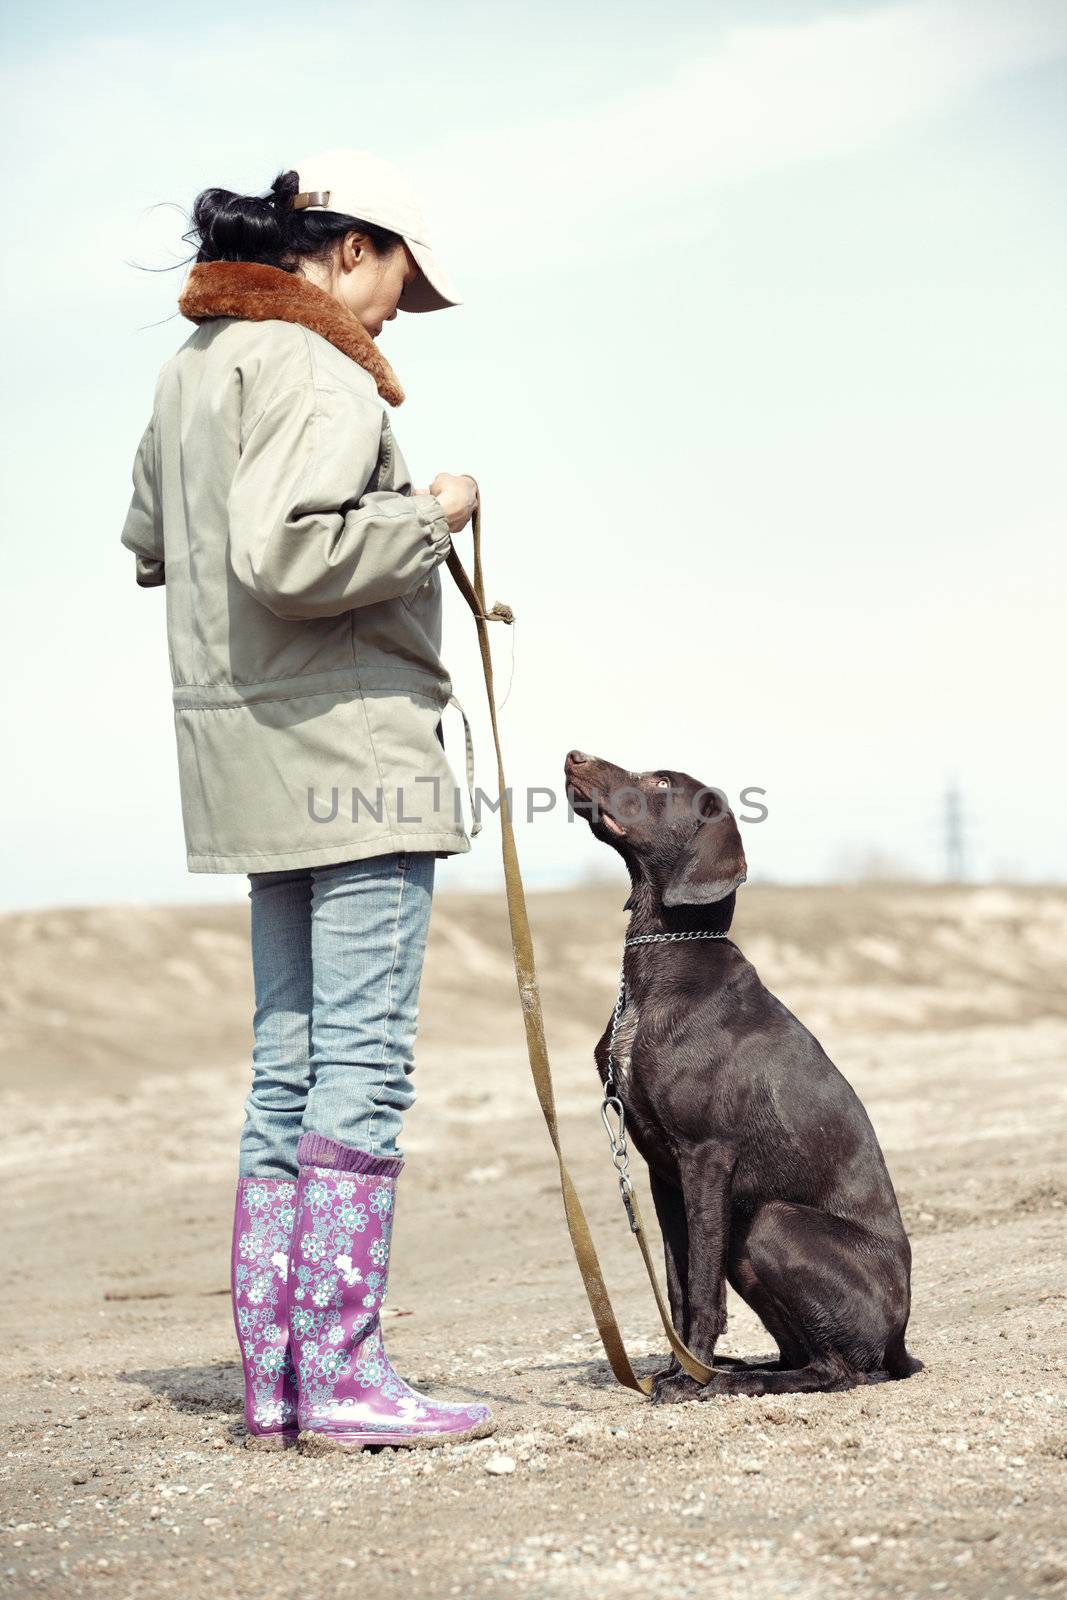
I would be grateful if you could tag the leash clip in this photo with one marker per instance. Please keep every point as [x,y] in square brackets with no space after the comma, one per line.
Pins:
[611,1102]
[626,1189]
[620,1154]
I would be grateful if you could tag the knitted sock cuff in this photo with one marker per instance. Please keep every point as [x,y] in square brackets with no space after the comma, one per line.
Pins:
[315,1150]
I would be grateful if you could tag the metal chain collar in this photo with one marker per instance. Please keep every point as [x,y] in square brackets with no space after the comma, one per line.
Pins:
[620,1155]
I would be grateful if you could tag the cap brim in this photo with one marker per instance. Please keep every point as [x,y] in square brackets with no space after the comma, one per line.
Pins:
[431,290]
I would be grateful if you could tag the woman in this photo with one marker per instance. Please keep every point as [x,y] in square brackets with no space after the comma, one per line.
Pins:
[303,585]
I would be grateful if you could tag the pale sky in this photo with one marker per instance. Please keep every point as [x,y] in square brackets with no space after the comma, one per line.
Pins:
[760,368]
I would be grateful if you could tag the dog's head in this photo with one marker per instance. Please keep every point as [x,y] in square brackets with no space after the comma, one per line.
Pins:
[676,835]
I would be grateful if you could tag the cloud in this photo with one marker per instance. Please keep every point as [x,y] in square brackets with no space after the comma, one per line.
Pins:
[764,98]
[151,116]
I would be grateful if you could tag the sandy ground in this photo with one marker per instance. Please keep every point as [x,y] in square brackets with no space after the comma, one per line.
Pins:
[124,1048]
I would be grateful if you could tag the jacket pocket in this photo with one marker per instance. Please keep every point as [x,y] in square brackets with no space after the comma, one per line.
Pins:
[414,596]
[425,595]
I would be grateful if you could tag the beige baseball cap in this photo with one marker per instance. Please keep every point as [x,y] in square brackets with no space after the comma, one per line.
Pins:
[359,184]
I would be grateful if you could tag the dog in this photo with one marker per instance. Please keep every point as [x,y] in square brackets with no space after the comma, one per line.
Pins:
[765,1170]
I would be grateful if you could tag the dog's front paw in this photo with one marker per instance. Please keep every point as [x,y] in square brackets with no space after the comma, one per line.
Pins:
[672,1386]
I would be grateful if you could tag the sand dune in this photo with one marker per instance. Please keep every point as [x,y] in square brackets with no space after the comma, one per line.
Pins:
[124,1046]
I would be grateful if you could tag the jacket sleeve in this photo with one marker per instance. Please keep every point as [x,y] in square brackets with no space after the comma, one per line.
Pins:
[143,529]
[305,539]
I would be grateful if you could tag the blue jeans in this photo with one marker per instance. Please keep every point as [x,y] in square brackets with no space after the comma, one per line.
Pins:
[337,956]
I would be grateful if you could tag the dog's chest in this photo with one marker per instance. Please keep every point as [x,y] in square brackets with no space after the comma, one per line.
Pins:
[625,1034]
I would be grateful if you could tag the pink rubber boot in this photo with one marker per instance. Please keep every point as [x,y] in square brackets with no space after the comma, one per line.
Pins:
[350,1396]
[259,1264]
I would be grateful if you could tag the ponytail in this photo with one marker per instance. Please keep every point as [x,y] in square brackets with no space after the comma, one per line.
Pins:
[241,227]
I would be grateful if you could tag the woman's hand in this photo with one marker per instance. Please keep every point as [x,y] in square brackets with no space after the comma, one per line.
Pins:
[458,497]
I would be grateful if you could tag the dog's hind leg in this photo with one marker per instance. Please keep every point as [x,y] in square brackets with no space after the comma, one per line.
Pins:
[822,1375]
[899,1362]
[828,1292]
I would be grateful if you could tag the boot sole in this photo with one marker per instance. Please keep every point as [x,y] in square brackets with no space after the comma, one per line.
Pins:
[270,1441]
[322,1444]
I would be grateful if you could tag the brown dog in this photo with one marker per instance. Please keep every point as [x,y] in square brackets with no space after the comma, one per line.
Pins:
[766,1172]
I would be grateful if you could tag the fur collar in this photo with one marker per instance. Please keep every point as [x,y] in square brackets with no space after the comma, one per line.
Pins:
[252,290]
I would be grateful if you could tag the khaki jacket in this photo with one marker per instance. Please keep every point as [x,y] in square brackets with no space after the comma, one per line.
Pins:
[303,585]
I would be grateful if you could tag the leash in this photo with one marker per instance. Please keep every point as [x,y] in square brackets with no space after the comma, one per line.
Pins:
[537,1049]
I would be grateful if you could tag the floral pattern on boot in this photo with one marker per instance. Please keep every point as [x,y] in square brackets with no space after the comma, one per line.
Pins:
[349,1392]
[262,1231]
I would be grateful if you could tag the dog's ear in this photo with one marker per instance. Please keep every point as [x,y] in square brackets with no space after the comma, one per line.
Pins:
[712,863]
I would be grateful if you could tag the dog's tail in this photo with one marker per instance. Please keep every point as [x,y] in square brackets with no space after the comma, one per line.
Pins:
[898,1363]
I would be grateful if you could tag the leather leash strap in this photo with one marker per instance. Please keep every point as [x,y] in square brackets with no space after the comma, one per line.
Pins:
[530,997]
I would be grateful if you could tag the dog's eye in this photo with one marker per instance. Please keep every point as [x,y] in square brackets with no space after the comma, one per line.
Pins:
[662,782]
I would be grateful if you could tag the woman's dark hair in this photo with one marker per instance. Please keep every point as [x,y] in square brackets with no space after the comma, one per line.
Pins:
[243,227]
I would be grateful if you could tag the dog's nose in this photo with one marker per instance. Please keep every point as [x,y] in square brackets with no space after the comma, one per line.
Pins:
[576,757]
